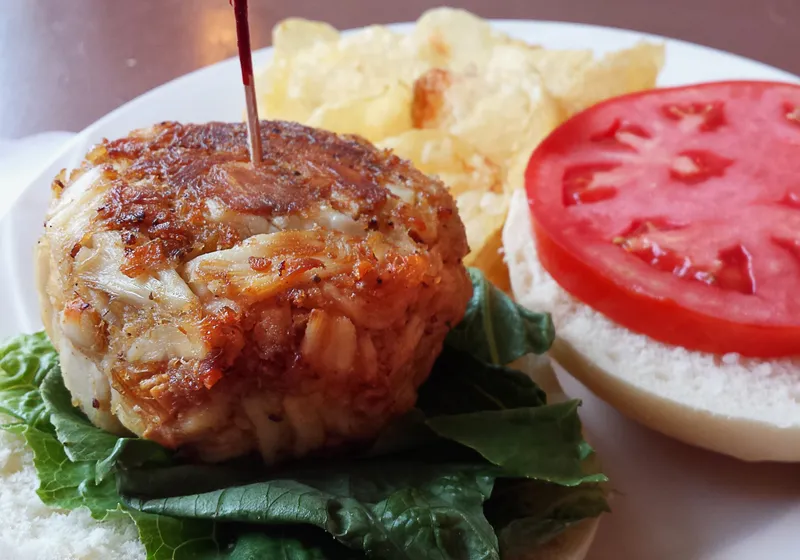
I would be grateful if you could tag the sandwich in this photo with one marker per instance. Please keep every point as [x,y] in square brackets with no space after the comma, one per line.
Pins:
[660,229]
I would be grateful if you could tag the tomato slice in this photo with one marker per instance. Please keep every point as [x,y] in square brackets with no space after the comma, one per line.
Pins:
[676,213]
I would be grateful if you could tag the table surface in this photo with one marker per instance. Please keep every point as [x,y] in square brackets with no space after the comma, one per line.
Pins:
[65,64]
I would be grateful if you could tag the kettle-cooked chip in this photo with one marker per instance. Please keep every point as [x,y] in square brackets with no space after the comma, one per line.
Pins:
[454,39]
[499,111]
[356,66]
[458,98]
[294,34]
[561,70]
[290,38]
[484,214]
[375,117]
[617,73]
[458,164]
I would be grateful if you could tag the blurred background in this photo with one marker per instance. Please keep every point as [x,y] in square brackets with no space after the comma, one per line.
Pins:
[65,64]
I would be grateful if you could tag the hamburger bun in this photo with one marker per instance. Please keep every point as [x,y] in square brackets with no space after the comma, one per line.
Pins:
[743,407]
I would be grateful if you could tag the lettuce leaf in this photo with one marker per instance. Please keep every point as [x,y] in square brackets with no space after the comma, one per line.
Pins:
[171,538]
[460,384]
[527,513]
[389,509]
[542,443]
[24,362]
[481,465]
[496,330]
[83,442]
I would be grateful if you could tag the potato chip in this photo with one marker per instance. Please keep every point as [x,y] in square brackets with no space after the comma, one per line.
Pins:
[273,99]
[618,73]
[289,38]
[457,40]
[499,111]
[360,65]
[453,39]
[484,214]
[294,34]
[374,118]
[460,166]
[561,70]
[461,100]
[489,258]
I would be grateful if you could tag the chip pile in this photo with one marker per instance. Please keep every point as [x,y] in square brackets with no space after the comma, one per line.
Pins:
[455,96]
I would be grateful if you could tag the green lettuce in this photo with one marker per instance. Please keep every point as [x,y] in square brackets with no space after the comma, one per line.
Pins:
[482,465]
[496,330]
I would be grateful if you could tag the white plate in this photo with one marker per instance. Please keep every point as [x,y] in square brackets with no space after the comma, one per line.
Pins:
[673,502]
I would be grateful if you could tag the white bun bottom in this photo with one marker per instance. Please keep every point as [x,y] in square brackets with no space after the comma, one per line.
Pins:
[743,407]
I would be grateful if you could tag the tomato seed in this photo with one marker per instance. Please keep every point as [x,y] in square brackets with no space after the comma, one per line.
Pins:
[695,166]
[621,134]
[710,116]
[736,272]
[579,187]
[792,113]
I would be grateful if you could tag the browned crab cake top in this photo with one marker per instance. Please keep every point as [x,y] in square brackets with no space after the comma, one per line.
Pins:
[207,300]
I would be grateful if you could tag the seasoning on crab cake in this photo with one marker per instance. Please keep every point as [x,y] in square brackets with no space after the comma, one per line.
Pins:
[223,308]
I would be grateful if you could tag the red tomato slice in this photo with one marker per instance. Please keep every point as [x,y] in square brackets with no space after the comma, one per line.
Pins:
[676,213]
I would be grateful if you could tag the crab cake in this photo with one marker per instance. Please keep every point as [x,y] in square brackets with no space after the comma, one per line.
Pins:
[223,308]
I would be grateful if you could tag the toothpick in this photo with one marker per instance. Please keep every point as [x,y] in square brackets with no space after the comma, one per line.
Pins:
[246,62]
